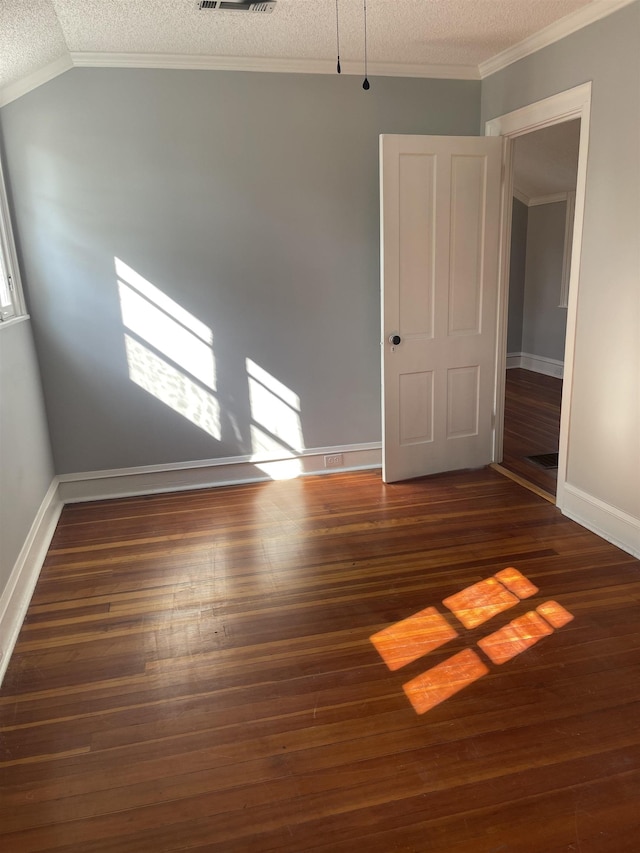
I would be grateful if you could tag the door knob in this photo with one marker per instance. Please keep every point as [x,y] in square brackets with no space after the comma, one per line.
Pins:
[395,339]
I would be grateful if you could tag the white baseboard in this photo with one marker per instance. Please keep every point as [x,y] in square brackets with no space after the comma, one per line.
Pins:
[617,527]
[612,524]
[155,479]
[16,595]
[536,363]
[514,359]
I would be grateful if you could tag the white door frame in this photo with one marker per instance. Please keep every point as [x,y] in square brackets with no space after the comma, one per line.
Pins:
[572,104]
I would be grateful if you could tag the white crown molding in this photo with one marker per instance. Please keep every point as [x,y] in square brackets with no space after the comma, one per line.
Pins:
[178,61]
[399,69]
[16,90]
[185,62]
[566,26]
[523,197]
[552,198]
[534,201]
[595,11]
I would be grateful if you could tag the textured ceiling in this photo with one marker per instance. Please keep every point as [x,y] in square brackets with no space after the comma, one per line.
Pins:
[447,34]
[30,38]
[413,31]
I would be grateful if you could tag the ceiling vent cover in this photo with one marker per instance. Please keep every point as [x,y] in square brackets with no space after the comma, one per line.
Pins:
[237,5]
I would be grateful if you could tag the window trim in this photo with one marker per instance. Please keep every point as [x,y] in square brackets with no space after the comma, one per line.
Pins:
[16,308]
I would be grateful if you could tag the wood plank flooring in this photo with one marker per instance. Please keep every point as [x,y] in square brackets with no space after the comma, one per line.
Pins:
[196,673]
[531,424]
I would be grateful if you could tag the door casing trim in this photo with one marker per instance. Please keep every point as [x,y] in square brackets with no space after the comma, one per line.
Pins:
[566,106]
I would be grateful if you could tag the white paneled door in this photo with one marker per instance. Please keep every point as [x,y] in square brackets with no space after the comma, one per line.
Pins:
[440,210]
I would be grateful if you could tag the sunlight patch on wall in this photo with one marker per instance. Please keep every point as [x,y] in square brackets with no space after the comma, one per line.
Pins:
[276,429]
[172,387]
[169,351]
[155,296]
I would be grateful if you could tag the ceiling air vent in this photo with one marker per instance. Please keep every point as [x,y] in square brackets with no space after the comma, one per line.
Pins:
[237,5]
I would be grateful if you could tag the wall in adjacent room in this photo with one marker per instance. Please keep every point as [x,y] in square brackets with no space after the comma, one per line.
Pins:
[240,213]
[544,323]
[517,268]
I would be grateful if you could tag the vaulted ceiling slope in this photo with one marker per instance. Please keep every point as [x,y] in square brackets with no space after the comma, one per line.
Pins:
[422,38]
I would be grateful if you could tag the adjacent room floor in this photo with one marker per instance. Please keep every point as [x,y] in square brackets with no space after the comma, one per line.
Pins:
[532,426]
[236,670]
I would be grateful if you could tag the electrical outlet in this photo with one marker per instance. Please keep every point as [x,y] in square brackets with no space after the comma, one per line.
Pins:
[333,460]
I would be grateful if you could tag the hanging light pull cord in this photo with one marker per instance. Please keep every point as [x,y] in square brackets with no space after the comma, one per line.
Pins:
[365,84]
[338,36]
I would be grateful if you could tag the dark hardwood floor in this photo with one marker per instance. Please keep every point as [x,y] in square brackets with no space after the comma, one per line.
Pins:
[531,425]
[196,673]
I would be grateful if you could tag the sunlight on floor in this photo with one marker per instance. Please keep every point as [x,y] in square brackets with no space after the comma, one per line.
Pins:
[424,632]
[444,680]
[480,602]
[405,641]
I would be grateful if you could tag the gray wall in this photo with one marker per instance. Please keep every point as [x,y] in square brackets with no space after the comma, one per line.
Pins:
[544,323]
[249,199]
[26,465]
[252,201]
[517,268]
[536,325]
[604,444]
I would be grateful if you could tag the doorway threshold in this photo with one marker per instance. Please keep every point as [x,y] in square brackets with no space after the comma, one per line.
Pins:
[524,483]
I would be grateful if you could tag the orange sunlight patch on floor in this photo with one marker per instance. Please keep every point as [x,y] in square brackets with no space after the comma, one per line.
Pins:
[515,638]
[480,602]
[418,635]
[444,680]
[516,582]
[405,641]
[554,613]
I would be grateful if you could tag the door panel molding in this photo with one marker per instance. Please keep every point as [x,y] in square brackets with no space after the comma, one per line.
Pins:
[440,220]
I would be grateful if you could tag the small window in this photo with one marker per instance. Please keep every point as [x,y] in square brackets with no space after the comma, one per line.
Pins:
[11,301]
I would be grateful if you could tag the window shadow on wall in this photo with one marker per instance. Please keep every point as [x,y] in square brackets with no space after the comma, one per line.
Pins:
[170,355]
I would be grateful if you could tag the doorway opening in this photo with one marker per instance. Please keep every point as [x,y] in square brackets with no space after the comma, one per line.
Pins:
[545,170]
[571,108]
